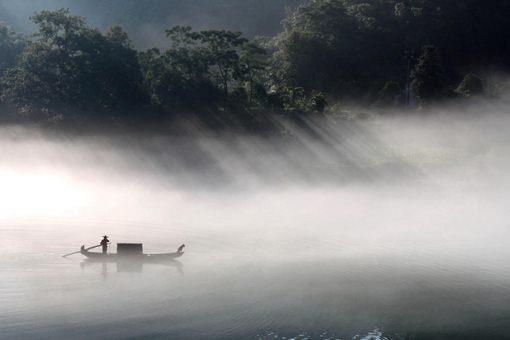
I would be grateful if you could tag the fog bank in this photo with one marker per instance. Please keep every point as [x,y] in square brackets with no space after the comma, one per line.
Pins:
[339,228]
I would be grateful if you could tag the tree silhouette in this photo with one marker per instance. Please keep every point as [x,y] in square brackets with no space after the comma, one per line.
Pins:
[428,78]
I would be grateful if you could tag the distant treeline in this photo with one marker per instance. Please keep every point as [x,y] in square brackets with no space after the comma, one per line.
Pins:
[379,52]
[368,49]
[144,20]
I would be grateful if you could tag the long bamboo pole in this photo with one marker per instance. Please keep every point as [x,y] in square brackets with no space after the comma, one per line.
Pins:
[76,252]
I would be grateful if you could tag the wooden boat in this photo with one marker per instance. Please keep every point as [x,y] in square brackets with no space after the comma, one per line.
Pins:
[129,256]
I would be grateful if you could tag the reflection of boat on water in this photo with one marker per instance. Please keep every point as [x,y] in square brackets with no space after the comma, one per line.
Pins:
[129,264]
[130,258]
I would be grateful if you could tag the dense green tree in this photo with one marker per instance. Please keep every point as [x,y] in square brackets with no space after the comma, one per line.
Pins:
[252,65]
[11,46]
[221,48]
[70,65]
[318,101]
[201,65]
[178,78]
[329,50]
[349,48]
[332,46]
[470,86]
[429,82]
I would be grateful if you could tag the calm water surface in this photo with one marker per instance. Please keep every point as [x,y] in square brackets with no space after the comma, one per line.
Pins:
[246,281]
[419,258]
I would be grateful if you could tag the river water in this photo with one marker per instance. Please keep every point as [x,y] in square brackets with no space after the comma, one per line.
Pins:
[398,232]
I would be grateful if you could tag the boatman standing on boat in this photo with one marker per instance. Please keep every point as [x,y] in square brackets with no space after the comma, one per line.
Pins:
[104,243]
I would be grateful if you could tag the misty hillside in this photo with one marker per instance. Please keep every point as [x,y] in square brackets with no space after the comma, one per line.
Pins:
[188,59]
[148,18]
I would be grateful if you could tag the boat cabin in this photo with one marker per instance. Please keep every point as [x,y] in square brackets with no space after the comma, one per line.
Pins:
[129,248]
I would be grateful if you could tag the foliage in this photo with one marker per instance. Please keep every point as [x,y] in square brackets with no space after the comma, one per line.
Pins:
[70,65]
[221,50]
[11,46]
[329,50]
[471,85]
[350,48]
[251,69]
[331,45]
[429,82]
[202,67]
[178,78]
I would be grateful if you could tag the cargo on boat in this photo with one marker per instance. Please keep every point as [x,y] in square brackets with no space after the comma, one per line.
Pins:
[129,249]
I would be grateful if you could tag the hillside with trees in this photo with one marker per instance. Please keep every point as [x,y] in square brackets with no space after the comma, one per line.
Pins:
[352,48]
[380,53]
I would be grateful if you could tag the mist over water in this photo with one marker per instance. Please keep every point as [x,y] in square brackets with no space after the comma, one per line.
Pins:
[391,226]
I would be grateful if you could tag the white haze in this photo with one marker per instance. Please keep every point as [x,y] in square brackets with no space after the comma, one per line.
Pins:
[338,218]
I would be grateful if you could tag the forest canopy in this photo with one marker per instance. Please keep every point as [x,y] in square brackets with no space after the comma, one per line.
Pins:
[379,52]
[353,47]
